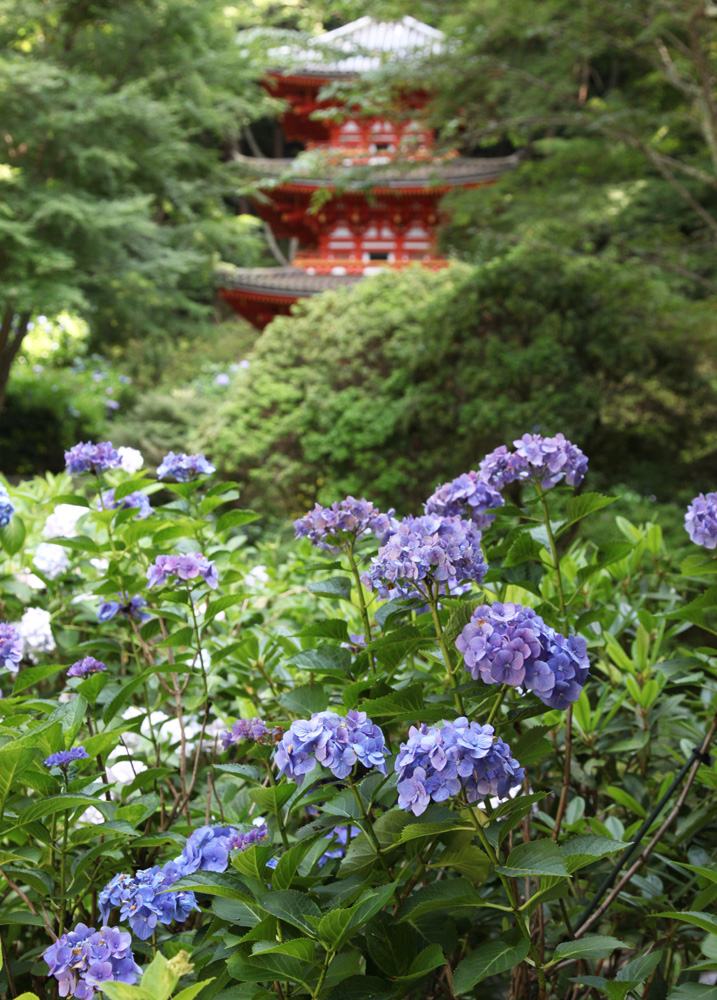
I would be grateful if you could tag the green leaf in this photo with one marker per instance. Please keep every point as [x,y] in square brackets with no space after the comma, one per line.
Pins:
[14,760]
[326,628]
[252,861]
[302,948]
[580,506]
[589,946]
[361,988]
[640,968]
[59,803]
[12,536]
[182,637]
[532,746]
[337,587]
[158,980]
[334,661]
[405,704]
[416,831]
[471,860]
[489,959]
[705,921]
[294,907]
[540,857]
[523,549]
[189,992]
[692,991]
[588,847]
[460,617]
[423,964]
[33,675]
[213,884]
[305,699]
[289,863]
[235,518]
[449,894]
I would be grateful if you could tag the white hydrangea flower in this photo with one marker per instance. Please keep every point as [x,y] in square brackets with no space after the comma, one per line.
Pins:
[92,815]
[256,576]
[123,772]
[131,459]
[31,580]
[100,564]
[35,631]
[62,522]
[52,560]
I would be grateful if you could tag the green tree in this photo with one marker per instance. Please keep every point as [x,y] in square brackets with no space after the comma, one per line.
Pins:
[115,189]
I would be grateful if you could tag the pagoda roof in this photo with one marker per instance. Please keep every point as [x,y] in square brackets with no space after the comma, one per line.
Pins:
[359,47]
[280,282]
[397,175]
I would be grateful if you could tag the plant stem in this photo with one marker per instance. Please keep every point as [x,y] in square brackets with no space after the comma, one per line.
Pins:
[63,860]
[324,969]
[349,550]
[433,605]
[497,703]
[279,817]
[371,833]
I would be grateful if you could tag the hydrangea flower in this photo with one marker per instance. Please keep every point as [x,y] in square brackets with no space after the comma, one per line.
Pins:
[182,567]
[334,742]
[466,496]
[246,729]
[143,902]
[131,460]
[510,644]
[51,560]
[130,609]
[340,835]
[139,500]
[348,519]
[184,467]
[63,758]
[90,457]
[35,632]
[426,550]
[62,522]
[239,841]
[701,520]
[83,959]
[440,762]
[86,667]
[545,459]
[7,507]
[206,850]
[11,647]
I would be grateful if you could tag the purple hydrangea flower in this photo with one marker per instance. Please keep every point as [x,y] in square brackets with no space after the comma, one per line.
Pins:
[184,467]
[63,758]
[544,459]
[11,647]
[510,644]
[143,901]
[86,667]
[138,500]
[334,742]
[701,520]
[182,567]
[206,850]
[130,609]
[438,762]
[7,507]
[349,519]
[246,729]
[222,379]
[239,841]
[91,458]
[83,959]
[340,835]
[426,550]
[466,496]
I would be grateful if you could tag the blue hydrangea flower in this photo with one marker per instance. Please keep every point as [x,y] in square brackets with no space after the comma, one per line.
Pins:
[86,667]
[239,841]
[7,507]
[207,849]
[349,520]
[340,836]
[90,457]
[427,550]
[510,644]
[11,647]
[184,467]
[63,758]
[182,567]
[130,609]
[138,500]
[246,729]
[440,762]
[334,742]
[83,959]
[546,460]
[466,496]
[701,520]
[143,902]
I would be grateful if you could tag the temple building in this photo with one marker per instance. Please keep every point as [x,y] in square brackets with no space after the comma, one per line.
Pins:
[365,195]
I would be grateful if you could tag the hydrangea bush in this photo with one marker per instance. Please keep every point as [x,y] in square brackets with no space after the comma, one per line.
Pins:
[458,753]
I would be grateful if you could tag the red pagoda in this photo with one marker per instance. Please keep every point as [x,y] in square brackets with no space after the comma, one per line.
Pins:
[365,195]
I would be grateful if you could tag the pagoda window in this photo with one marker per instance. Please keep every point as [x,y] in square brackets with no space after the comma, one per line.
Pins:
[380,256]
[349,134]
[383,136]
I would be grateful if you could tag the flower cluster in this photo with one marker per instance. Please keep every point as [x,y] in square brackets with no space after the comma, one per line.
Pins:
[510,644]
[207,849]
[91,458]
[7,507]
[345,519]
[86,667]
[143,902]
[701,520]
[183,467]
[62,522]
[83,959]
[340,836]
[466,496]
[334,742]
[545,459]
[11,646]
[182,567]
[35,632]
[247,729]
[239,841]
[130,609]
[131,460]
[51,560]
[422,550]
[437,762]
[63,758]
[138,500]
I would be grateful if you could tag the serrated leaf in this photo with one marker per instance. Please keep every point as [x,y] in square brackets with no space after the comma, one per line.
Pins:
[524,549]
[580,506]
[460,617]
[640,968]
[337,587]
[294,907]
[532,746]
[489,959]
[236,518]
[400,704]
[334,661]
[326,628]
[588,847]
[540,857]
[182,637]
[705,921]
[589,946]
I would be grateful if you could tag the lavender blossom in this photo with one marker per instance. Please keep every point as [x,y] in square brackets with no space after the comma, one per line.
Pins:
[86,667]
[424,551]
[143,901]
[130,609]
[11,647]
[440,762]
[510,644]
[184,467]
[83,959]
[132,500]
[466,496]
[701,520]
[7,507]
[182,567]
[91,458]
[546,460]
[344,521]
[63,758]
[334,742]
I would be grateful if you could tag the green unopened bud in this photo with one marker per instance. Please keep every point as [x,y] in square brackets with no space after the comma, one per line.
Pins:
[180,964]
